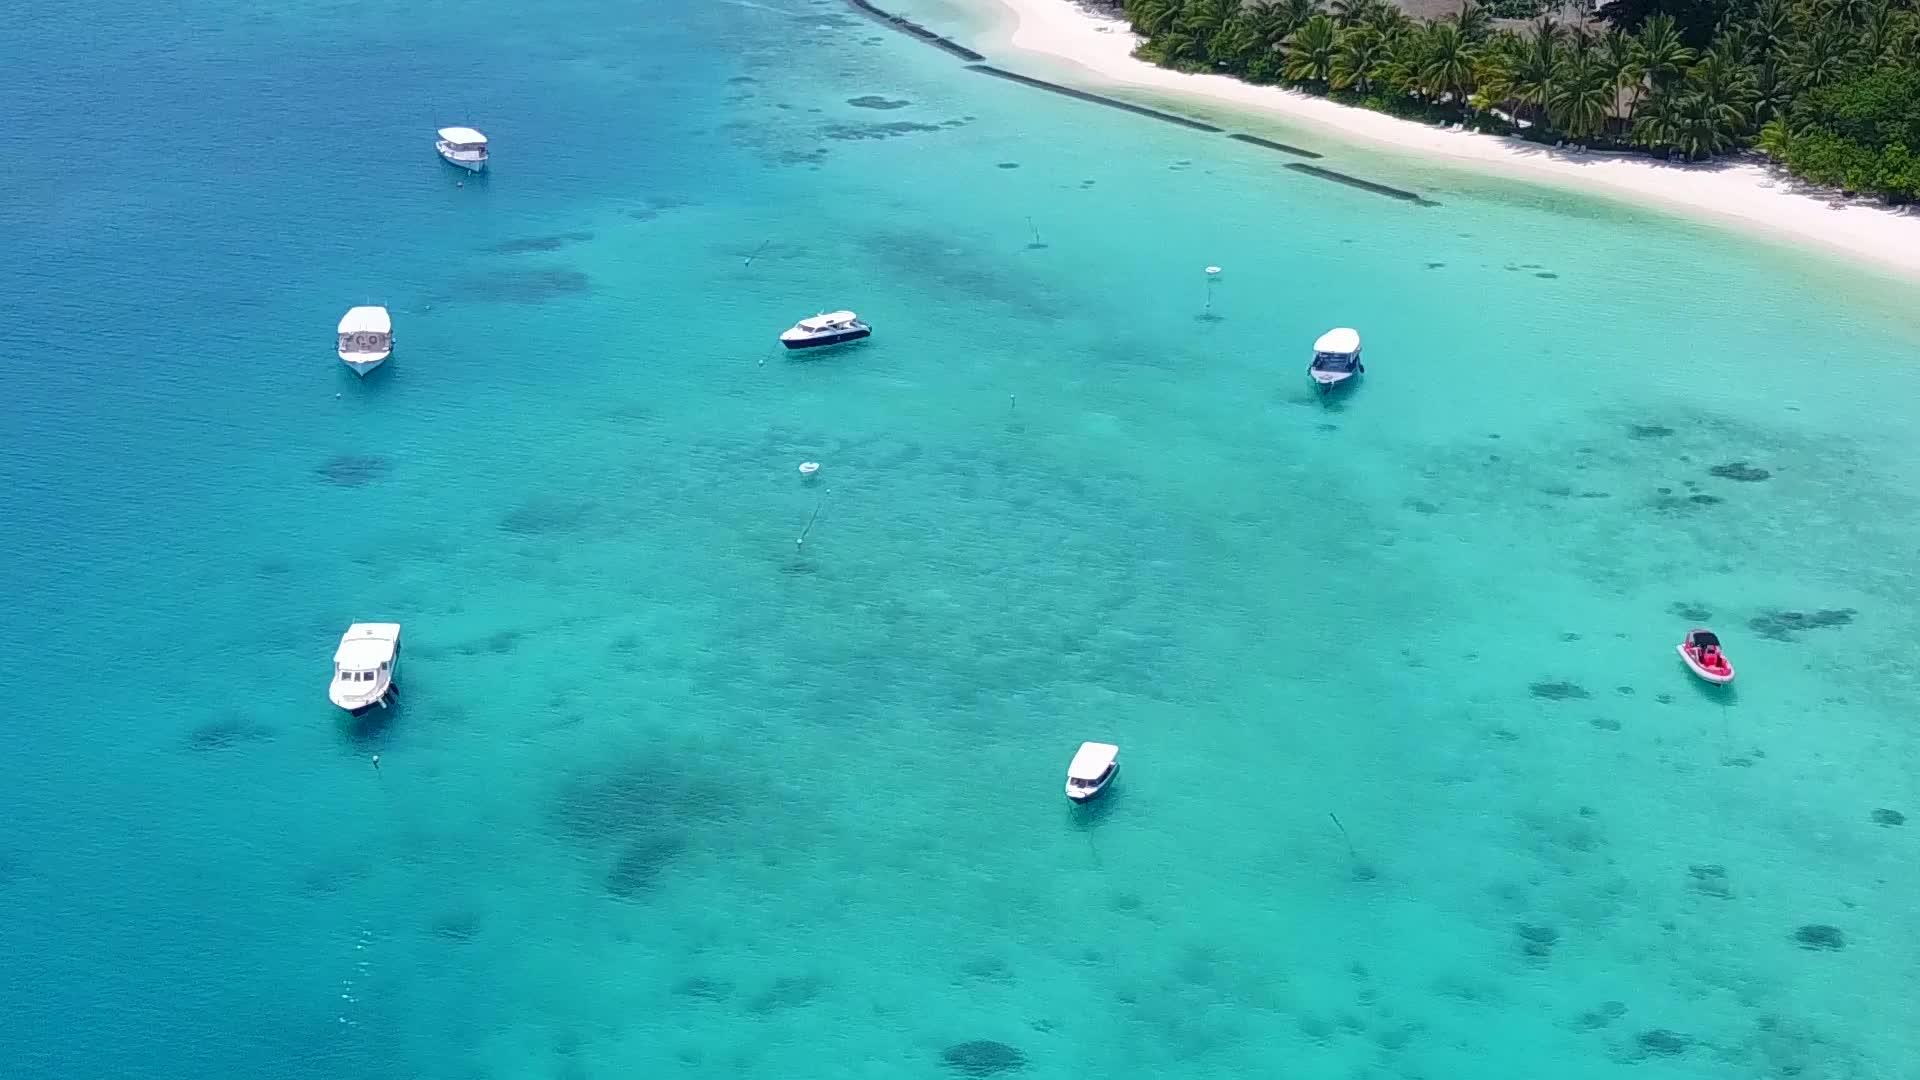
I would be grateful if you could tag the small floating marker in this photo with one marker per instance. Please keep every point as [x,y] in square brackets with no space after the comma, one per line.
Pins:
[376,763]
[1213,271]
[808,468]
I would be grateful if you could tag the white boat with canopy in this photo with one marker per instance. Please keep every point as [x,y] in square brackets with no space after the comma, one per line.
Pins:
[365,666]
[463,146]
[1336,358]
[1092,769]
[366,338]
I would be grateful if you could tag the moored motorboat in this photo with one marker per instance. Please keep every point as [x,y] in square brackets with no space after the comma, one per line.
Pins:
[826,328]
[1336,358]
[364,667]
[1091,770]
[462,146]
[365,337]
[1701,651]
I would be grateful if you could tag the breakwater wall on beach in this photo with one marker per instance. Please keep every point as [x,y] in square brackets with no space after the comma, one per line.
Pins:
[1363,185]
[977,62]
[1082,95]
[913,29]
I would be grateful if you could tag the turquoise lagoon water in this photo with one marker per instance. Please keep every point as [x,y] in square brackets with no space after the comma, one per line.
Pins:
[669,795]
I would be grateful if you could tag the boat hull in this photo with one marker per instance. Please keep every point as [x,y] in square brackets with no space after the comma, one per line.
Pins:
[361,363]
[825,340]
[469,164]
[361,706]
[1085,795]
[1715,677]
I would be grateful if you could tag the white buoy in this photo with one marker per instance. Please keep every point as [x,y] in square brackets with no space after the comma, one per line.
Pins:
[808,468]
[1212,271]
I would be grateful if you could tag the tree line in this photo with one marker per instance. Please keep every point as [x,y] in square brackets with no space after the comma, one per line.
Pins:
[1830,88]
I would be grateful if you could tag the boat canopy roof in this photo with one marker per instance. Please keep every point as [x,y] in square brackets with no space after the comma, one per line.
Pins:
[1340,340]
[827,319]
[466,136]
[1703,638]
[1093,760]
[367,645]
[366,320]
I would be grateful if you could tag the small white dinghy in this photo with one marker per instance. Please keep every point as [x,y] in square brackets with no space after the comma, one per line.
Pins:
[364,667]
[1336,358]
[365,336]
[462,146]
[1093,768]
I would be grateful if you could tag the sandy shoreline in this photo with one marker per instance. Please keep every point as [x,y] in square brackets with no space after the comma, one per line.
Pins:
[1743,194]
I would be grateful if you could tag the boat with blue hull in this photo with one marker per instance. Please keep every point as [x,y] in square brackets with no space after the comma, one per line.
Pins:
[826,328]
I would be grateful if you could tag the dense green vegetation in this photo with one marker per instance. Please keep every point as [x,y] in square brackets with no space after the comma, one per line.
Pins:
[1829,87]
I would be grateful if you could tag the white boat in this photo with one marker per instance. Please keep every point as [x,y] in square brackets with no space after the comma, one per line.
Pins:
[365,666]
[1093,768]
[464,147]
[1336,358]
[826,328]
[366,338]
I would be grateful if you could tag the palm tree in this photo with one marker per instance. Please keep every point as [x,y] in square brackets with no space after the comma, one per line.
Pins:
[1389,20]
[1362,51]
[1352,12]
[1205,19]
[1818,59]
[1770,29]
[1447,68]
[1265,18]
[1582,96]
[1725,90]
[1531,76]
[1663,56]
[1474,22]
[1400,71]
[1311,49]
[1295,13]
[1701,131]
[1620,60]
[1879,27]
[1658,124]
[1153,17]
[1494,72]
[1176,45]
[1772,93]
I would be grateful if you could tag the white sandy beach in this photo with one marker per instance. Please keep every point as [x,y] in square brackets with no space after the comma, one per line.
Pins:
[1744,194]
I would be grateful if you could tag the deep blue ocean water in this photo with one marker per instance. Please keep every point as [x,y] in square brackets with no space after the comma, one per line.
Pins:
[670,795]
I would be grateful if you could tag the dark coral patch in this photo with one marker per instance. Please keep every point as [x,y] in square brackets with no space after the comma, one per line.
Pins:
[528,244]
[982,1057]
[1741,471]
[1820,936]
[354,470]
[227,732]
[1559,691]
[1779,625]
[1665,1043]
[532,286]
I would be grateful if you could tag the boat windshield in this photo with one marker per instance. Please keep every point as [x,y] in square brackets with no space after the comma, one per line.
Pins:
[1333,361]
